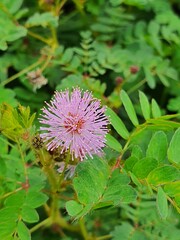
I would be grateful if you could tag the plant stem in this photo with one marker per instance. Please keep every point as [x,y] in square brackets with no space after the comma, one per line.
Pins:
[104,237]
[23,161]
[54,212]
[22,72]
[37,36]
[45,222]
[83,229]
[9,193]
[139,84]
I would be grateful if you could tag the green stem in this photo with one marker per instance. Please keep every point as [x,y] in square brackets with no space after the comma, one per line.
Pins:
[6,11]
[65,167]
[104,237]
[22,72]
[55,214]
[23,161]
[45,222]
[139,84]
[49,171]
[83,229]
[10,193]
[37,36]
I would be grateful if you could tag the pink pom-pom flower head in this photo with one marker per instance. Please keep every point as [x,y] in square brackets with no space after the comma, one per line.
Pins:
[74,122]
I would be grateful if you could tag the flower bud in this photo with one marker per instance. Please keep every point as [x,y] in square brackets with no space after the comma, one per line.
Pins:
[134,69]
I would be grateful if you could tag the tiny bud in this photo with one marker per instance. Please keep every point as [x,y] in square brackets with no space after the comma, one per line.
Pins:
[134,69]
[86,75]
[37,142]
[25,136]
[25,185]
[119,80]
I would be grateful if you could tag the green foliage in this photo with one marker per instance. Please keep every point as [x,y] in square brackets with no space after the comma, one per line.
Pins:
[43,20]
[14,123]
[173,150]
[127,53]
[97,186]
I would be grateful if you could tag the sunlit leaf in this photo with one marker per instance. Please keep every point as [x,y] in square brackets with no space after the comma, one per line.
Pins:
[163,175]
[145,106]
[174,148]
[129,107]
[162,204]
[117,123]
[157,147]
[113,143]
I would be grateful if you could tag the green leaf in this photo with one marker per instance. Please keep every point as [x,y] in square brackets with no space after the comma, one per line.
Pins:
[124,231]
[163,175]
[145,106]
[6,214]
[127,232]
[42,19]
[137,152]
[36,199]
[73,208]
[17,199]
[129,107]
[37,179]
[117,193]
[15,122]
[174,148]
[113,143]
[97,187]
[117,123]
[12,6]
[4,145]
[150,78]
[144,166]
[8,218]
[130,162]
[177,199]
[172,189]
[162,204]
[135,180]
[29,214]
[7,229]
[23,231]
[8,95]
[156,111]
[67,56]
[11,32]
[157,147]
[174,104]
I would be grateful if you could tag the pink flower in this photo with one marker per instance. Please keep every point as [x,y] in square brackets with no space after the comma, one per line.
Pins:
[74,122]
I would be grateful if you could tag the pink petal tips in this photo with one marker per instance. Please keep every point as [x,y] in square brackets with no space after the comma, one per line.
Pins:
[74,122]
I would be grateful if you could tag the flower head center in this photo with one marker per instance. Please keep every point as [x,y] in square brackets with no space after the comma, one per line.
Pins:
[73,123]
